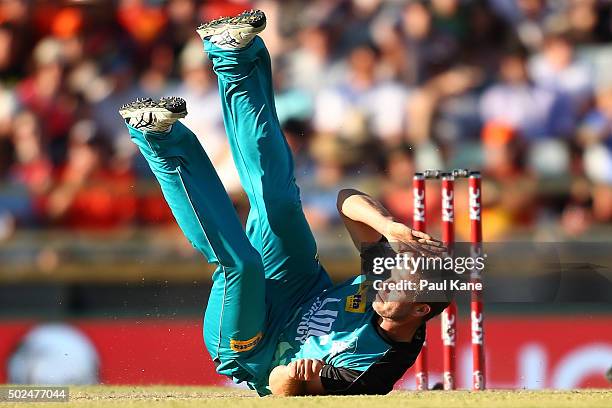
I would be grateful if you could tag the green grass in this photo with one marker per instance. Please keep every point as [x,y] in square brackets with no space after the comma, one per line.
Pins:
[171,396]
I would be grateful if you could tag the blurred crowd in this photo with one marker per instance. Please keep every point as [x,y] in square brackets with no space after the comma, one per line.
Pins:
[368,91]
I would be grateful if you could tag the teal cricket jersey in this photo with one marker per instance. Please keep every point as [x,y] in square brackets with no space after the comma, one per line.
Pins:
[340,328]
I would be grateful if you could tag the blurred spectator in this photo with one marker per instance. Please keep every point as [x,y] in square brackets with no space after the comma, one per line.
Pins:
[451,18]
[8,105]
[511,200]
[182,18]
[143,21]
[596,136]
[309,65]
[16,37]
[596,129]
[557,69]
[528,18]
[32,167]
[446,100]
[332,156]
[577,216]
[431,50]
[44,94]
[514,101]
[155,79]
[354,80]
[29,175]
[487,31]
[89,191]
[381,103]
[396,194]
[583,21]
[120,80]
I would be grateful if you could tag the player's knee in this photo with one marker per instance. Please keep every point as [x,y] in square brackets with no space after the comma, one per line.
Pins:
[231,356]
[241,260]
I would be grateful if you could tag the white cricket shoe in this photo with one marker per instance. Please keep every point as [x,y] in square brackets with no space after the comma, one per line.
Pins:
[233,32]
[156,116]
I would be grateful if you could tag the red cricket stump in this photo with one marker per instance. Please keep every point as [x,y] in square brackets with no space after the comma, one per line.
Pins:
[476,315]
[418,223]
[449,315]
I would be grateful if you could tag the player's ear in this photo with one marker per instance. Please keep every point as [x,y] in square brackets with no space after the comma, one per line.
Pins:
[421,309]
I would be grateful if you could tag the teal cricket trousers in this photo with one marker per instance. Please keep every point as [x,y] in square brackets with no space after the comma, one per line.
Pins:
[262,274]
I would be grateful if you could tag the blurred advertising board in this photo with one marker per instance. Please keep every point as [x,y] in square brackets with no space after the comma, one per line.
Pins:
[522,352]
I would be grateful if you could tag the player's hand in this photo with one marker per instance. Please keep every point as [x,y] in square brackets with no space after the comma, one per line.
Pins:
[305,369]
[409,240]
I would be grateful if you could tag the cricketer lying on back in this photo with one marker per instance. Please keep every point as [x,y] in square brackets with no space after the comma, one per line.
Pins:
[273,318]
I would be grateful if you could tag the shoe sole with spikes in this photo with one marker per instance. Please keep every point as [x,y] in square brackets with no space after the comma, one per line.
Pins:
[234,32]
[148,114]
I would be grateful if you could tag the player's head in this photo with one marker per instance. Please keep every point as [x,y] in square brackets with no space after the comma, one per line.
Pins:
[405,311]
[396,287]
[409,304]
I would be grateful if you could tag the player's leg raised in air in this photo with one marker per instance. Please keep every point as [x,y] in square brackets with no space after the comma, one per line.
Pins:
[276,224]
[235,316]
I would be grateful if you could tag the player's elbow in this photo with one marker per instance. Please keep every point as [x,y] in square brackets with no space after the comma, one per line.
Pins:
[340,199]
[343,195]
[282,385]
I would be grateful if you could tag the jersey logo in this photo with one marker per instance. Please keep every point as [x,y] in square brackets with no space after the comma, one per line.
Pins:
[339,347]
[357,303]
[318,320]
[241,346]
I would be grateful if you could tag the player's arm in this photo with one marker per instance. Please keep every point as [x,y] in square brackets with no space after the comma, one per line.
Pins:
[368,221]
[313,377]
[300,377]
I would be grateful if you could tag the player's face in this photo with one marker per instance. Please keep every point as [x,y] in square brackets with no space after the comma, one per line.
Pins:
[392,310]
[397,302]
[400,311]
[391,306]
